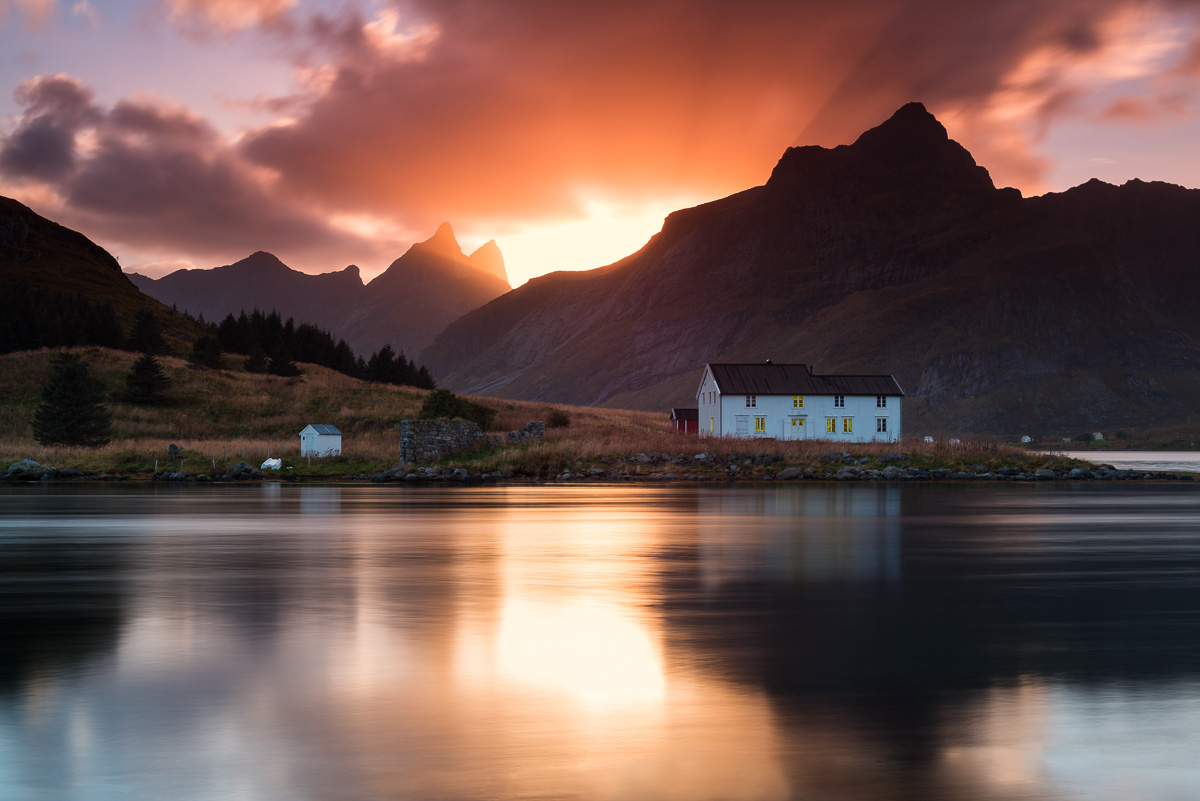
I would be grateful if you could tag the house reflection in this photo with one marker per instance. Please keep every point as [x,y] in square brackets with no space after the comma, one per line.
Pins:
[829,533]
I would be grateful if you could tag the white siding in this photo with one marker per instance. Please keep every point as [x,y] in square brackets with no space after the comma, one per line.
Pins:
[313,444]
[778,411]
[709,410]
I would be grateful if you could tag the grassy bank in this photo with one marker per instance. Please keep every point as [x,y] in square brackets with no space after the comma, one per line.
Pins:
[219,418]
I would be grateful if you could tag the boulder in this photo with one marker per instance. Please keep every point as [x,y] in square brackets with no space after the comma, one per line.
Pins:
[29,470]
[173,449]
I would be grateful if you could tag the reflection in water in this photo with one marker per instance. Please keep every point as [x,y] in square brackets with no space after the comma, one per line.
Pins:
[797,641]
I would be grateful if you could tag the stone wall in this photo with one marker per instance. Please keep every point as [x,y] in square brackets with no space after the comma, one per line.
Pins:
[427,440]
[532,430]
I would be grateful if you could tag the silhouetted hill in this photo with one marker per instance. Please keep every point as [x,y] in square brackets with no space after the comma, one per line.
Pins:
[431,285]
[895,254]
[258,281]
[40,255]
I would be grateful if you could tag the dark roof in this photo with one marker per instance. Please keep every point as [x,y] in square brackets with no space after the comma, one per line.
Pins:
[797,379]
[321,428]
[685,414]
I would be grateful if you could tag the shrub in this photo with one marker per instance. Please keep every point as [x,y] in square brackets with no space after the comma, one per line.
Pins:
[442,404]
[1084,437]
[557,418]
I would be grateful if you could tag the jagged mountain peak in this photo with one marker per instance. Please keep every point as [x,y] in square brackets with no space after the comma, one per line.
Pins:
[443,242]
[489,259]
[911,148]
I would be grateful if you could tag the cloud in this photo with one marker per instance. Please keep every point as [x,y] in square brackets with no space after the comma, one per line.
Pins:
[529,112]
[87,12]
[226,16]
[528,109]
[35,11]
[156,175]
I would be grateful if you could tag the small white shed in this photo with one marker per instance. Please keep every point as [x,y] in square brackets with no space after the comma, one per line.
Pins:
[318,439]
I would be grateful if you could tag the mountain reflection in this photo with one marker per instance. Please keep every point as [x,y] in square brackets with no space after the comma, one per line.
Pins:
[871,641]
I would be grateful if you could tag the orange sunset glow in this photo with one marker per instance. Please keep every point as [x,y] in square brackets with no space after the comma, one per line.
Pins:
[194,132]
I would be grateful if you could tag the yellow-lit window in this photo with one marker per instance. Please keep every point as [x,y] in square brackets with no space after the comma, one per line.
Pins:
[797,421]
[847,425]
[831,425]
[760,425]
[797,401]
[710,424]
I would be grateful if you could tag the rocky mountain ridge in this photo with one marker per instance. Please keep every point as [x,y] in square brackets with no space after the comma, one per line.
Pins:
[895,254]
[421,292]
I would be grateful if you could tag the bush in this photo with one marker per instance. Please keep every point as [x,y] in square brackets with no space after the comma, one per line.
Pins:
[1084,437]
[442,404]
[557,418]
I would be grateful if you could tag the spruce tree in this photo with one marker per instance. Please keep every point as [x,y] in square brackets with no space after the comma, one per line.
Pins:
[72,410]
[257,361]
[206,352]
[145,335]
[281,364]
[146,381]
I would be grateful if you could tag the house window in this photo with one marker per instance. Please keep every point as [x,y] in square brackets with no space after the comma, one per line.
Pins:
[797,401]
[881,425]
[760,425]
[847,425]
[881,401]
[710,424]
[797,421]
[751,401]
[839,401]
[831,425]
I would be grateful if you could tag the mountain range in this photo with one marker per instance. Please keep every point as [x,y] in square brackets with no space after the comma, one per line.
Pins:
[420,293]
[895,254]
[1058,314]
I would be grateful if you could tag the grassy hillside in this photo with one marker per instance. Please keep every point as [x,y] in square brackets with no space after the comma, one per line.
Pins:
[221,415]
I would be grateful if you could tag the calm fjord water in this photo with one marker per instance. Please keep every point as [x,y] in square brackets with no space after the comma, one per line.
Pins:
[839,641]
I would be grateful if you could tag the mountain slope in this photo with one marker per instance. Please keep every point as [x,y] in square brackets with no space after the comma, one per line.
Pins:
[895,254]
[418,295]
[41,254]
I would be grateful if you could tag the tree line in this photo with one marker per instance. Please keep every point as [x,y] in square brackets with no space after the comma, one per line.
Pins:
[272,344]
[39,318]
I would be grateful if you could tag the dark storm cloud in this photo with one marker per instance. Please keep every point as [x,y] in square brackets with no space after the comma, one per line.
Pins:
[514,109]
[43,145]
[494,114]
[153,174]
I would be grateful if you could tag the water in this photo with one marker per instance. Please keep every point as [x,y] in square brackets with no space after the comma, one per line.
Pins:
[1158,461]
[607,642]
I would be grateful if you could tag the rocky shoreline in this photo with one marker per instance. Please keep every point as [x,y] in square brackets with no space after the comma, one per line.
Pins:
[651,467]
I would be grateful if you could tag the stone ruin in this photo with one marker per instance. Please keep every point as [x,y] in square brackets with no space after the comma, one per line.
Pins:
[429,440]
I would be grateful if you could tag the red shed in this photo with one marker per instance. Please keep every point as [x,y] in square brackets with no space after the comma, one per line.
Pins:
[685,421]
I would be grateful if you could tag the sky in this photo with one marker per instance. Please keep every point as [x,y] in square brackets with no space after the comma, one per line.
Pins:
[191,133]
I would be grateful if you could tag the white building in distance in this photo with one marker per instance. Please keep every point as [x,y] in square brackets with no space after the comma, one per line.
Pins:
[318,439]
[787,401]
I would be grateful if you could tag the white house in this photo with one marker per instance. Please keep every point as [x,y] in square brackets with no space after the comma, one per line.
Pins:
[787,401]
[320,440]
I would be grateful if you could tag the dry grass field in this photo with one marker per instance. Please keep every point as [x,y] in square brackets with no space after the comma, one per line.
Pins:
[221,417]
